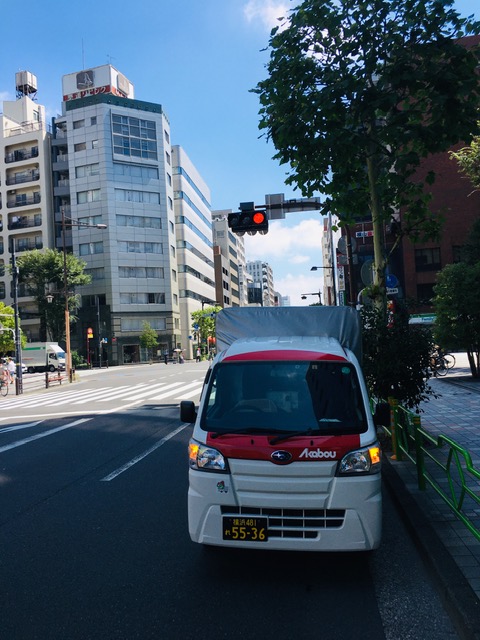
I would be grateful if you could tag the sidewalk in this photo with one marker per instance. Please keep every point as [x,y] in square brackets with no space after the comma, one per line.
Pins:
[451,551]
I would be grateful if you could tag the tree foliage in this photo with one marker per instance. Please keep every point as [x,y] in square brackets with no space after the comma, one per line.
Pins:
[457,309]
[148,338]
[7,336]
[468,159]
[396,358]
[205,321]
[358,93]
[43,272]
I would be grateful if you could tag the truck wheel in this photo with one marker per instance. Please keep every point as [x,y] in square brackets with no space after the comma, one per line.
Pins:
[30,370]
[51,368]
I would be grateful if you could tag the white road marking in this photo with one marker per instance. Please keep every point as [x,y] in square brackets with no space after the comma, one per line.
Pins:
[143,455]
[20,443]
[17,427]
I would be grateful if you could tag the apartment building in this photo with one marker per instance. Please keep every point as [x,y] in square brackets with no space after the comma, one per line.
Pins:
[229,256]
[25,189]
[261,291]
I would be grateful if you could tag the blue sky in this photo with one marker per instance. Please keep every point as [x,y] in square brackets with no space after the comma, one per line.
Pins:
[199,59]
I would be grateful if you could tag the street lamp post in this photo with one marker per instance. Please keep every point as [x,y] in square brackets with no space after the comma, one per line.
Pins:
[333,282]
[68,351]
[316,293]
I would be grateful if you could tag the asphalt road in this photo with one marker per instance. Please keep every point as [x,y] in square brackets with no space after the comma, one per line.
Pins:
[94,541]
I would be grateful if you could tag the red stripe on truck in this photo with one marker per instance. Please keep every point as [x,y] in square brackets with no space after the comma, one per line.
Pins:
[302,448]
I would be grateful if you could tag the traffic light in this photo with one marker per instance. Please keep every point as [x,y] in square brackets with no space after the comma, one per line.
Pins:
[248,220]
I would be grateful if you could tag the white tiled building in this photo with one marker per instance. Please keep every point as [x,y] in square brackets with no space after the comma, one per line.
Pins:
[25,189]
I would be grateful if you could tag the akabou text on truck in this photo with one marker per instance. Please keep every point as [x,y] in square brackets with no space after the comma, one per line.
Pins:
[284,451]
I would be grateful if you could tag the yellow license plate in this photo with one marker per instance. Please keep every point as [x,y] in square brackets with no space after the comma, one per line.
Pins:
[245,529]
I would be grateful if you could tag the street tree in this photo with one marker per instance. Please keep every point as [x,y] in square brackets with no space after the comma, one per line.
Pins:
[357,94]
[457,309]
[468,159]
[7,333]
[203,324]
[148,338]
[42,273]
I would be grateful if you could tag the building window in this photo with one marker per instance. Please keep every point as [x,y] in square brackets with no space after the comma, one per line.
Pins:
[96,274]
[78,124]
[129,195]
[167,136]
[91,248]
[87,170]
[132,246]
[135,171]
[94,144]
[136,324]
[80,146]
[93,121]
[141,272]
[143,222]
[427,259]
[92,195]
[142,298]
[168,158]
[134,137]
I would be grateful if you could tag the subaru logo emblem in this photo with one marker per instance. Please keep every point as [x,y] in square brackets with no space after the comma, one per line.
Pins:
[281,457]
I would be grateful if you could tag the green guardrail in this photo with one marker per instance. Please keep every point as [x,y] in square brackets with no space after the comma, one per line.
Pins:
[440,462]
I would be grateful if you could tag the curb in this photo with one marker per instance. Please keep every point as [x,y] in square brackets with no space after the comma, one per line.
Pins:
[459,598]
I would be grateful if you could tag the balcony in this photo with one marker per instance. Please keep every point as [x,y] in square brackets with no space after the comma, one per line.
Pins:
[27,176]
[28,244]
[60,163]
[21,154]
[62,188]
[25,222]
[23,200]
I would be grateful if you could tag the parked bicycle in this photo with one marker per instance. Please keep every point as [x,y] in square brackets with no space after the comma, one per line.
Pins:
[4,385]
[441,362]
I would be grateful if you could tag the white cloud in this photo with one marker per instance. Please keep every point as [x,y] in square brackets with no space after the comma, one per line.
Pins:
[265,11]
[291,249]
[286,241]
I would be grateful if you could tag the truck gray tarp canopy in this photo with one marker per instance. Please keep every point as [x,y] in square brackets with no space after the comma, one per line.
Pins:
[342,323]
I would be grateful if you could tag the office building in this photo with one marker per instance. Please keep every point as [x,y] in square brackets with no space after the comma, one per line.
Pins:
[195,274]
[112,165]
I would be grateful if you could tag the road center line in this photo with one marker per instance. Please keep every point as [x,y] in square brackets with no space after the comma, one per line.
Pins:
[143,455]
[19,443]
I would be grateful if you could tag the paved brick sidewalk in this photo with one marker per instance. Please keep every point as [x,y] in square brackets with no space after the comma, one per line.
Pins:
[452,551]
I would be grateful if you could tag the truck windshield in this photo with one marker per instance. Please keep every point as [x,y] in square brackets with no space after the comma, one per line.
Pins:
[278,397]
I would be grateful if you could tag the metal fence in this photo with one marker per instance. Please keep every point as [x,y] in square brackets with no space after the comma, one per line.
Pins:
[440,462]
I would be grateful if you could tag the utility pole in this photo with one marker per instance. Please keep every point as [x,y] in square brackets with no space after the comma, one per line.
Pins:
[18,342]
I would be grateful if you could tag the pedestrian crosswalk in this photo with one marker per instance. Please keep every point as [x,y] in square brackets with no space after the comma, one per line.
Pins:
[100,397]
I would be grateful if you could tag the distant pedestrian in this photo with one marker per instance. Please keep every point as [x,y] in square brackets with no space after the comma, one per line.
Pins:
[11,370]
[199,355]
[165,356]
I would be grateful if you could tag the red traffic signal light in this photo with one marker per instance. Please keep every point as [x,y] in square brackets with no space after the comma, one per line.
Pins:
[248,220]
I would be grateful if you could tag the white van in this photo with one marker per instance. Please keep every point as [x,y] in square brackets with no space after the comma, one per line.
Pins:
[284,452]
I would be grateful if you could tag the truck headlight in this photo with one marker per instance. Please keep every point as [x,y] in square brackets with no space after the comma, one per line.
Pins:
[366,460]
[204,458]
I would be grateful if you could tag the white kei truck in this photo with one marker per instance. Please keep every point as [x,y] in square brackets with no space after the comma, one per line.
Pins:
[43,356]
[284,452]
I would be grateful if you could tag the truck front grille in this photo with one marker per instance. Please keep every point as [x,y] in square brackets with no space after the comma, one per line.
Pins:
[292,523]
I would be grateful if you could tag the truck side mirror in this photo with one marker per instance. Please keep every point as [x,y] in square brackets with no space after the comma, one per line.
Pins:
[187,411]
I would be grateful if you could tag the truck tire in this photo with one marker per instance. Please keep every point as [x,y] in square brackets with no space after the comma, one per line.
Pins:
[51,368]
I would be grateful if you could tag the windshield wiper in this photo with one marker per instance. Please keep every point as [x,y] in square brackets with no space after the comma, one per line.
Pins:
[292,434]
[241,432]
